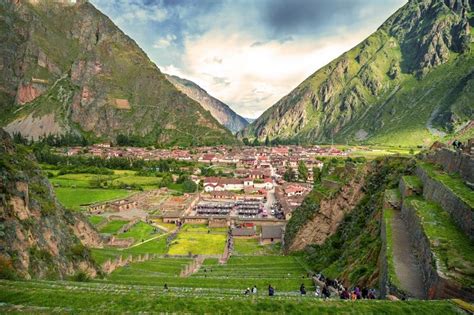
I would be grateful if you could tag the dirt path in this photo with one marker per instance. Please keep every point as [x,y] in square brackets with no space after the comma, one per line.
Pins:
[407,270]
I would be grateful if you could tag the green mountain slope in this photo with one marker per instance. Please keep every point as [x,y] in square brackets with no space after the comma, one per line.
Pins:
[410,82]
[220,111]
[67,68]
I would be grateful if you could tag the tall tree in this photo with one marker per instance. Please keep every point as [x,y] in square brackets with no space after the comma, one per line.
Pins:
[289,175]
[302,171]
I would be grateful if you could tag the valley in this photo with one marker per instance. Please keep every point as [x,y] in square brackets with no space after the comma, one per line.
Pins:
[125,187]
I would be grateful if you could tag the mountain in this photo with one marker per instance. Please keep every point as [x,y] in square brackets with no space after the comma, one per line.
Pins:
[220,111]
[66,68]
[38,237]
[250,120]
[410,82]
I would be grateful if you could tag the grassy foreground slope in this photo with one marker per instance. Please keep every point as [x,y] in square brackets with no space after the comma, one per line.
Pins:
[73,297]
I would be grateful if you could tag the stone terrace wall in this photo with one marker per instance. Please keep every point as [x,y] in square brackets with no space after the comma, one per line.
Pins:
[454,162]
[435,191]
[435,284]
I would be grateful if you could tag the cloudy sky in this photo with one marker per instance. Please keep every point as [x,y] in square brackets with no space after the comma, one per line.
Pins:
[247,53]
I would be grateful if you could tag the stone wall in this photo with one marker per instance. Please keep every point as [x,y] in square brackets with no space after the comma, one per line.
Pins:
[436,286]
[454,162]
[435,191]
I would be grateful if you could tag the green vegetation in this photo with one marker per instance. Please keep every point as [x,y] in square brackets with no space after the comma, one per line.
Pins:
[140,232]
[452,181]
[195,239]
[243,246]
[352,252]
[112,227]
[453,250]
[413,182]
[73,198]
[95,219]
[79,297]
[388,215]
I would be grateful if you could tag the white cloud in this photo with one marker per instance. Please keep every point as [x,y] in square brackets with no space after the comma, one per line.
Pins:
[251,78]
[164,42]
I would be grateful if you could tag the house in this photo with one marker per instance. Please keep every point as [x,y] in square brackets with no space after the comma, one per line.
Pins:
[271,234]
[208,158]
[294,190]
[243,232]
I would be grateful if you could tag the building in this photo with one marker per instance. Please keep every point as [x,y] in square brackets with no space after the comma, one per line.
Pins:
[271,234]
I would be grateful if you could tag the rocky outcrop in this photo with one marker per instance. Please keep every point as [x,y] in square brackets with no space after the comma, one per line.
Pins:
[71,63]
[331,212]
[459,210]
[220,111]
[371,92]
[40,238]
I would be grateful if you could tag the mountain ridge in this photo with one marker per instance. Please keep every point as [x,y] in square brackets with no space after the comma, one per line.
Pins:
[360,96]
[69,68]
[218,109]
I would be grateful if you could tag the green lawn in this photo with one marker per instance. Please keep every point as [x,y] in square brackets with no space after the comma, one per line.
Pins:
[453,249]
[413,182]
[95,219]
[113,226]
[198,243]
[388,215]
[244,246]
[140,231]
[73,198]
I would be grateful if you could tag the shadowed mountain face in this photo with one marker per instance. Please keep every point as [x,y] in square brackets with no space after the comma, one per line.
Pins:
[220,111]
[410,82]
[67,68]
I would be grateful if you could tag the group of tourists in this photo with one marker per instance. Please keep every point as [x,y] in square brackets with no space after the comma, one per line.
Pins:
[249,291]
[343,292]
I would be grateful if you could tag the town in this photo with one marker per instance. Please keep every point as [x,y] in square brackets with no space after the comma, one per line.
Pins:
[255,186]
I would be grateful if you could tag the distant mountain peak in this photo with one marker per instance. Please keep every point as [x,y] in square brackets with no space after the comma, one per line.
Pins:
[220,111]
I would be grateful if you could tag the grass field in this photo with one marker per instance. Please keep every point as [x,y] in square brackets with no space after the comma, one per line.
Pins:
[89,298]
[113,226]
[140,232]
[95,219]
[197,240]
[252,247]
[73,198]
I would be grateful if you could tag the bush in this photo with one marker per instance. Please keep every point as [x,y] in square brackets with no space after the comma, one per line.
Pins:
[81,276]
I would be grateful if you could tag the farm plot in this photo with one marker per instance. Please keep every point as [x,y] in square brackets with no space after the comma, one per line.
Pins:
[198,240]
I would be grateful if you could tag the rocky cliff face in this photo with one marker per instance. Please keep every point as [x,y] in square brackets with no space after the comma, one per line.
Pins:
[67,68]
[409,82]
[38,237]
[220,111]
[331,212]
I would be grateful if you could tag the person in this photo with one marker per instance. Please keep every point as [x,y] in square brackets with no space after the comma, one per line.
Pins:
[165,287]
[317,293]
[247,291]
[326,293]
[302,289]
[357,293]
[353,296]
[271,290]
[371,294]
[345,294]
[254,289]
[365,293]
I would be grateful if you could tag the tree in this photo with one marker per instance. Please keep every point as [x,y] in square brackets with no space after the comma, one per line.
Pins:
[316,175]
[166,180]
[267,141]
[189,186]
[255,143]
[289,175]
[246,141]
[302,171]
